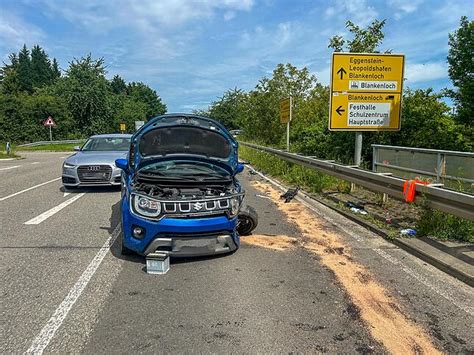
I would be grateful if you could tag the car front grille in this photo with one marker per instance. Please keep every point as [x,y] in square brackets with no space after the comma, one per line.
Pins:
[196,207]
[94,173]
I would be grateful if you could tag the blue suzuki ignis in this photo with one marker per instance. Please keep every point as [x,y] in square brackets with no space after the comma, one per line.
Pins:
[180,195]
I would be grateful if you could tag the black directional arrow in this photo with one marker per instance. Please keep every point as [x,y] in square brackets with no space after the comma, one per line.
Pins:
[339,110]
[341,72]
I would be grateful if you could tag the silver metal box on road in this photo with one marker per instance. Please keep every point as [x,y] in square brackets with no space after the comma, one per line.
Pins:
[157,263]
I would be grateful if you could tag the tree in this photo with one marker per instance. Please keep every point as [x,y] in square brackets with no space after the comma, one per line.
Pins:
[142,93]
[365,40]
[461,70]
[24,70]
[56,72]
[229,109]
[117,84]
[9,76]
[40,67]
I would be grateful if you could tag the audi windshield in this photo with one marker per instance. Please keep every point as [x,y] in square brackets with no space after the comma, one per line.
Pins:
[104,144]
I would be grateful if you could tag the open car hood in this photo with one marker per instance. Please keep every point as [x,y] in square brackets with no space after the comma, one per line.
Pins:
[189,137]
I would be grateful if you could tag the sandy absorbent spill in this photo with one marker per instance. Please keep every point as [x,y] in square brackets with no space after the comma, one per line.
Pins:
[275,242]
[379,311]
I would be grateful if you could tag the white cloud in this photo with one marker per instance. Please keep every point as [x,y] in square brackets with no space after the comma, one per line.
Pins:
[14,32]
[145,15]
[358,11]
[407,6]
[419,73]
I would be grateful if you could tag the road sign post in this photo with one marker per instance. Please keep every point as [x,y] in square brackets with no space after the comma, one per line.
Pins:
[49,122]
[366,91]
[122,127]
[286,114]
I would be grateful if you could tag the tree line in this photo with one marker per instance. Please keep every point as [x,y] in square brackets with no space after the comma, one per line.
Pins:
[81,100]
[427,121]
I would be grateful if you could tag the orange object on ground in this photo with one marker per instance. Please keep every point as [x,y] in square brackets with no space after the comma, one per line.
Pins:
[409,189]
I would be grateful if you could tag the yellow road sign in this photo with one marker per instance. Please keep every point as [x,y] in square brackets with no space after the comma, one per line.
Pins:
[365,112]
[366,92]
[285,110]
[367,72]
[122,127]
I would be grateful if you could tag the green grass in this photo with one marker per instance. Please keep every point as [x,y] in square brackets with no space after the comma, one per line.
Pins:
[67,147]
[433,223]
[307,179]
[444,226]
[4,155]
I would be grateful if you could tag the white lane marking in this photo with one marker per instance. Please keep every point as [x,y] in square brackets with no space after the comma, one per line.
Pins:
[47,333]
[35,162]
[10,167]
[28,189]
[408,270]
[66,193]
[45,215]
[8,159]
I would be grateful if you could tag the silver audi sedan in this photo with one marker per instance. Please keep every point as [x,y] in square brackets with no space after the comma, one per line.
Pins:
[94,163]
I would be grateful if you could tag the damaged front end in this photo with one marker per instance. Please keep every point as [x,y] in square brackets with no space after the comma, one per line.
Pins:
[180,194]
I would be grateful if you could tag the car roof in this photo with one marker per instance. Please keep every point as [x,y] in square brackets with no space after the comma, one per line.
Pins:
[111,135]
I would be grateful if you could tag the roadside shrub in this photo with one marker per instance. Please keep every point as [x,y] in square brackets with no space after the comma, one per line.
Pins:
[444,226]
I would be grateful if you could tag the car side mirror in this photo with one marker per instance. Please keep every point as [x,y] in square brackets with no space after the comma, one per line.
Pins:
[77,148]
[240,168]
[121,164]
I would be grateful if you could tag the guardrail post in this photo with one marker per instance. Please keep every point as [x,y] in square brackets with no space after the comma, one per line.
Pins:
[441,167]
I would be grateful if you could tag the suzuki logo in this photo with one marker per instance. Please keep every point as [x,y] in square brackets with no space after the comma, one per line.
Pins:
[94,168]
[198,206]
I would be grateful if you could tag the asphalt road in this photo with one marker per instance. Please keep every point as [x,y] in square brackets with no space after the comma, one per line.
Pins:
[65,288]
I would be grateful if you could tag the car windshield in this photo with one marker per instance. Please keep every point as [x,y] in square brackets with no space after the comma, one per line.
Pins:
[104,144]
[189,170]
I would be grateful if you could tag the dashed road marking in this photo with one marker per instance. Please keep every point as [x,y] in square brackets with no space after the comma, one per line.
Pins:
[28,189]
[65,194]
[8,159]
[35,163]
[45,215]
[10,167]
[47,333]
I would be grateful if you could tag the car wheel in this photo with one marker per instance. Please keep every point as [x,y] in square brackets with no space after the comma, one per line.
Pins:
[247,220]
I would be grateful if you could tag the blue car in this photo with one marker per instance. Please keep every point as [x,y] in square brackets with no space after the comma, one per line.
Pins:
[180,195]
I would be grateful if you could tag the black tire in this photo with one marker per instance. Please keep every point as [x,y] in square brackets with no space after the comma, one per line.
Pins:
[247,220]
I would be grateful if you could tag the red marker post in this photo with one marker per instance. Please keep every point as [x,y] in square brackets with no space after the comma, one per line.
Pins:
[49,122]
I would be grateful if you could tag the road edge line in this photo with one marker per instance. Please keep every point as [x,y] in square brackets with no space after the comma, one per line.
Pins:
[45,336]
[380,252]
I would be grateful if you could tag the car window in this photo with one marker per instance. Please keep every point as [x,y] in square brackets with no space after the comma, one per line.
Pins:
[104,144]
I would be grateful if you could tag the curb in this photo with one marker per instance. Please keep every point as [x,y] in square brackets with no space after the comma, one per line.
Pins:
[406,244]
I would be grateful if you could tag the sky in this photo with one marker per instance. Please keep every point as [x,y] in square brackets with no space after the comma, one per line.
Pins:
[190,52]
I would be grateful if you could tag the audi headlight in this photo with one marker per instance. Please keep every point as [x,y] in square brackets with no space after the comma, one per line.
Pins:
[68,165]
[146,206]
[234,206]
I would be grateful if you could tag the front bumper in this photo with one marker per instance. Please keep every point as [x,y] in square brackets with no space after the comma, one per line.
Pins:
[180,237]
[70,177]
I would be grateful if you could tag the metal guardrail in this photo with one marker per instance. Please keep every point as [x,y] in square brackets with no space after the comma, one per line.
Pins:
[453,202]
[34,144]
[452,168]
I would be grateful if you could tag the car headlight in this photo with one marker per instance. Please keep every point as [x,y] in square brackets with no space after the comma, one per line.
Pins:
[234,206]
[68,165]
[146,206]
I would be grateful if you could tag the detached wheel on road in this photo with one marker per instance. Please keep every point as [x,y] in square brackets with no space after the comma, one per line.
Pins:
[247,220]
